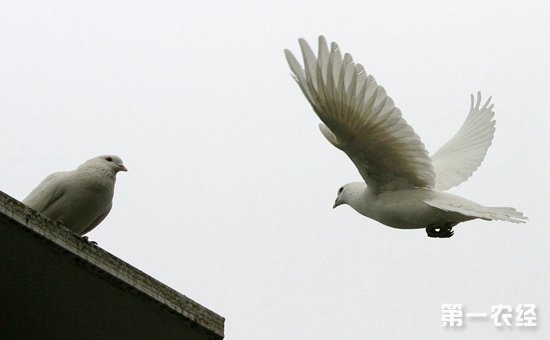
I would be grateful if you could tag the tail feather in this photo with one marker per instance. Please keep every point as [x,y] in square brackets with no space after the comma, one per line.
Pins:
[508,214]
[469,208]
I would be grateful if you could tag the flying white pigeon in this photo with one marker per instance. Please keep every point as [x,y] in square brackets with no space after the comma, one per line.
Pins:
[79,199]
[404,187]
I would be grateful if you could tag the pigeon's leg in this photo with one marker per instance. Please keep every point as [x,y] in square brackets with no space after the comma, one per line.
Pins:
[92,243]
[432,231]
[445,231]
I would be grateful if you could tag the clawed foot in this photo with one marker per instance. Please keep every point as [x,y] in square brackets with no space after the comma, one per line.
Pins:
[92,243]
[440,232]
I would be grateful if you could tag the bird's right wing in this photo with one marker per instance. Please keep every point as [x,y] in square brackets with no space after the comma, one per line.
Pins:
[457,160]
[361,120]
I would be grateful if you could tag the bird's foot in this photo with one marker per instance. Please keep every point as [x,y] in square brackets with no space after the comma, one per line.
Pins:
[92,243]
[445,231]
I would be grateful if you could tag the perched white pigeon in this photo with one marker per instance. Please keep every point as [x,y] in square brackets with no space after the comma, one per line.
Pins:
[80,199]
[404,186]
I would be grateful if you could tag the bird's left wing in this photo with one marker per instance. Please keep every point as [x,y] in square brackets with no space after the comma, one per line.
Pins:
[457,160]
[361,120]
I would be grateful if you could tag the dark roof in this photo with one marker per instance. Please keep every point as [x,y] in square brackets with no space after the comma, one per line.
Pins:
[56,285]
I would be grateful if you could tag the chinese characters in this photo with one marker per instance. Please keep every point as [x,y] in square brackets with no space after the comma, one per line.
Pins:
[524,315]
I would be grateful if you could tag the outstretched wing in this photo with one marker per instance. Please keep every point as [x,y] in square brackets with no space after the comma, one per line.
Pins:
[361,120]
[457,160]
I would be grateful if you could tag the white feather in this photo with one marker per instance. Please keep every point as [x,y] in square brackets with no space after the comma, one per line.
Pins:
[457,160]
[362,119]
[403,186]
[80,199]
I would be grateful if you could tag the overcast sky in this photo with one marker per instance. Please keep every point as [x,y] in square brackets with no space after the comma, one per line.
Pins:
[229,193]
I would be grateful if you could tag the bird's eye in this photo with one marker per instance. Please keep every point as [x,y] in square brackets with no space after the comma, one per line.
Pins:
[340,190]
[109,159]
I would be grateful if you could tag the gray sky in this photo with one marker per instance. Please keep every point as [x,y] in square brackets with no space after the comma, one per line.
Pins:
[229,194]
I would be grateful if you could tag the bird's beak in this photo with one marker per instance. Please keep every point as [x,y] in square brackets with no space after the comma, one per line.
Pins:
[121,167]
[336,203]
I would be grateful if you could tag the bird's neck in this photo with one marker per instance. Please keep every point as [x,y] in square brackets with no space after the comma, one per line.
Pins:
[363,200]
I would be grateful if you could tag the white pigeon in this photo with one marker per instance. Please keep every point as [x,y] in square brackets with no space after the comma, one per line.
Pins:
[79,199]
[404,187]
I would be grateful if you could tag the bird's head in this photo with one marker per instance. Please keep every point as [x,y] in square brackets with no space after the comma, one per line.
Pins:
[348,192]
[112,162]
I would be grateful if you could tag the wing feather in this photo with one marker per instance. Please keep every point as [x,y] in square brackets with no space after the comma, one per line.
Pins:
[457,160]
[361,120]
[46,193]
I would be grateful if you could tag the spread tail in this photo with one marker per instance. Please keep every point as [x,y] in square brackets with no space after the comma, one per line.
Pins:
[469,208]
